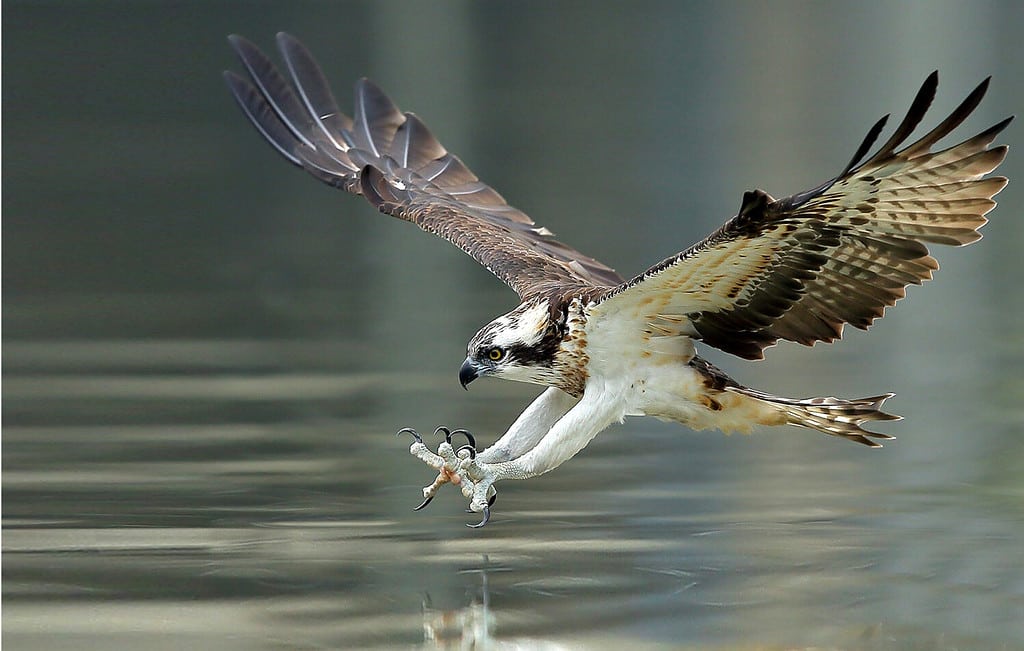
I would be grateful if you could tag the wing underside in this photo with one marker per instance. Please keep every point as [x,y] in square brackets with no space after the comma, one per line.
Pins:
[802,267]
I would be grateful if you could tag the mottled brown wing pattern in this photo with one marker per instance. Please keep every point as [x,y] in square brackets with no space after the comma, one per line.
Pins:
[393,160]
[801,267]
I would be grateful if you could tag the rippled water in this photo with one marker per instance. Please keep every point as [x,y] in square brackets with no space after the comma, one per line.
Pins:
[238,494]
[206,355]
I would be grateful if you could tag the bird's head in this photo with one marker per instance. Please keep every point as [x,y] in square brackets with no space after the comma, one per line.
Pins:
[520,345]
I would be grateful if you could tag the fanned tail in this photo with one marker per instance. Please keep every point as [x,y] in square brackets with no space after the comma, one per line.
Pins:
[834,416]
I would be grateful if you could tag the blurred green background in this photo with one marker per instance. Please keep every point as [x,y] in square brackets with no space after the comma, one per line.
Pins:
[205,352]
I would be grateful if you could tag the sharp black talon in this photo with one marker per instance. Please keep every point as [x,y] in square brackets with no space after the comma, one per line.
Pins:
[425,502]
[409,430]
[469,437]
[487,516]
[472,450]
[447,433]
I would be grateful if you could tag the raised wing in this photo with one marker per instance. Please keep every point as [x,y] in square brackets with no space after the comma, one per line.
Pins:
[800,268]
[394,161]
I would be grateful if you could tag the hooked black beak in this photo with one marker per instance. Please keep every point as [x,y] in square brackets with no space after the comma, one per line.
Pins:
[467,373]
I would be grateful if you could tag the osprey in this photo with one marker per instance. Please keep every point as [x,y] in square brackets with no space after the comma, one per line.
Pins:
[797,268]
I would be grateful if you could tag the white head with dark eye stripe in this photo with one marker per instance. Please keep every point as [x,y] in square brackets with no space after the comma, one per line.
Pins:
[520,345]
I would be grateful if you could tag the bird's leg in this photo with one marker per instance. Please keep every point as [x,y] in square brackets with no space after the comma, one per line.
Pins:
[549,432]
[577,427]
[531,426]
[553,429]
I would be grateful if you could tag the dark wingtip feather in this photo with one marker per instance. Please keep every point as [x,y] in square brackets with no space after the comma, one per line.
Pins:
[245,49]
[796,200]
[236,39]
[276,92]
[918,108]
[998,127]
[376,118]
[959,114]
[262,116]
[865,145]
[313,89]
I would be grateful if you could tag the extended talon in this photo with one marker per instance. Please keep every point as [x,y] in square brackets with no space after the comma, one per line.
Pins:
[425,502]
[444,430]
[454,467]
[487,516]
[409,430]
[448,434]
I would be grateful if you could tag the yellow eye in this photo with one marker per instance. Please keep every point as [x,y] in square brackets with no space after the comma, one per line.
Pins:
[495,354]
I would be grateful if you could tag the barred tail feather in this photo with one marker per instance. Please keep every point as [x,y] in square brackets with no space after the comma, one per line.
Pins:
[834,416]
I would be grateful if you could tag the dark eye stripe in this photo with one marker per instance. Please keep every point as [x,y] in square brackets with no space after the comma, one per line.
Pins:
[542,355]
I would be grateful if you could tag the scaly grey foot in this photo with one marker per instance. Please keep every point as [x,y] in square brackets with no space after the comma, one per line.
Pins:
[458,467]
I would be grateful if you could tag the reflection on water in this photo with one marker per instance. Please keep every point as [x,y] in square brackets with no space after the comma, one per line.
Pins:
[240,495]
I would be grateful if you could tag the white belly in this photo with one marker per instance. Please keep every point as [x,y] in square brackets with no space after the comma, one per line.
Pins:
[653,373]
[678,393]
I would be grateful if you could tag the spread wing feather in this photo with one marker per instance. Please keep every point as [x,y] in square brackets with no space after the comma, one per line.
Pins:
[392,159]
[800,268]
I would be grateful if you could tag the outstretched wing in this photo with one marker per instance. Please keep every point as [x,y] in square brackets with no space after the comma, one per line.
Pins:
[394,161]
[800,268]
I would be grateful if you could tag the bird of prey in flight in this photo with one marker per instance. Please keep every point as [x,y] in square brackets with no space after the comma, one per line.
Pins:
[797,268]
